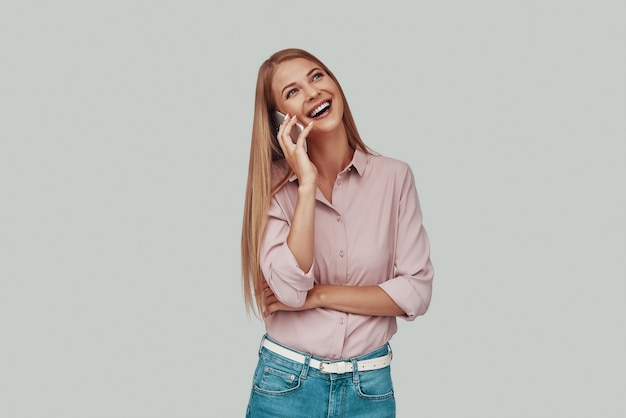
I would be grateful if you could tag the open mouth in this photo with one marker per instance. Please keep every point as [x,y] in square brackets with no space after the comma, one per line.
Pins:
[320,110]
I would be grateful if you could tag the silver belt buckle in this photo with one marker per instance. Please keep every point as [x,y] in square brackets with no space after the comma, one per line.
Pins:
[338,367]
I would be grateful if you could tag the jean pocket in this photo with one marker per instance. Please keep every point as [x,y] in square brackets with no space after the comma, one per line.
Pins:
[272,380]
[375,384]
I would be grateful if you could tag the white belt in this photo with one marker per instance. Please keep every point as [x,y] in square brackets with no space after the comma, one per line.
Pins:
[330,367]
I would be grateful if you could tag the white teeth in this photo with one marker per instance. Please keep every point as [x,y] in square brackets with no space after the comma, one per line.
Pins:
[319,109]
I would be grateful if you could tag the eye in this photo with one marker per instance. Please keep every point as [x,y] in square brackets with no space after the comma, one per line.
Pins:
[291,92]
[317,76]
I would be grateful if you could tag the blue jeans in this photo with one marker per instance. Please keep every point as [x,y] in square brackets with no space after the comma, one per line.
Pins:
[285,388]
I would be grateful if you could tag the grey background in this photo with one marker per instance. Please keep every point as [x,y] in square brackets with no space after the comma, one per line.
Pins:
[125,130]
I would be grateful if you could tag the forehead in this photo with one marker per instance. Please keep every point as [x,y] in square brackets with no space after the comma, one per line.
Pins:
[291,71]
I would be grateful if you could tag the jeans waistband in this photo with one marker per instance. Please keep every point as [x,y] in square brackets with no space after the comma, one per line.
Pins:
[324,366]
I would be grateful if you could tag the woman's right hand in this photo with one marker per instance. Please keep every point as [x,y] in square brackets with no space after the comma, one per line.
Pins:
[301,231]
[295,154]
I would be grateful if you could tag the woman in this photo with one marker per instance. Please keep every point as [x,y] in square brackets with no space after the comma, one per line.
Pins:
[333,250]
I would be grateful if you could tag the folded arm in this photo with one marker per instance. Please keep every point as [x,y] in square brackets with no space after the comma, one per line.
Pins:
[362,300]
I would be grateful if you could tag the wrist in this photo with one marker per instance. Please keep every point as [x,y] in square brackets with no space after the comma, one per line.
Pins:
[317,296]
[305,188]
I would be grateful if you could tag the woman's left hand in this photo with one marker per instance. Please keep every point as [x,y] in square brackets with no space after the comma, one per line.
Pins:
[272,304]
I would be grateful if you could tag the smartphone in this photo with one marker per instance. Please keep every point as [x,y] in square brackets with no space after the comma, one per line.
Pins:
[295,131]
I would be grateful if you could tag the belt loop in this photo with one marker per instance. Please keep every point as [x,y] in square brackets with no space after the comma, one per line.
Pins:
[305,367]
[262,341]
[355,371]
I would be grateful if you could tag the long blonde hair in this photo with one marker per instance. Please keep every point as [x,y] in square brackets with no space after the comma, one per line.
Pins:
[264,152]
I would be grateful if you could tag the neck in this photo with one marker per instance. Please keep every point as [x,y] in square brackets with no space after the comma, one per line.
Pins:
[330,154]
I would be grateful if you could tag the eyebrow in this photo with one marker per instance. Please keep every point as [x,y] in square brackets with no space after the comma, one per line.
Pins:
[294,83]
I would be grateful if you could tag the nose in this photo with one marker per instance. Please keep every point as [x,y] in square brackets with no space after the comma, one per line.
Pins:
[312,92]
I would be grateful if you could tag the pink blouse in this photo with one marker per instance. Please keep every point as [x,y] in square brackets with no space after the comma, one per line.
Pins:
[371,234]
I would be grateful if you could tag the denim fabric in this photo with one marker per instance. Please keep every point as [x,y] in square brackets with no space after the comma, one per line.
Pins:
[284,388]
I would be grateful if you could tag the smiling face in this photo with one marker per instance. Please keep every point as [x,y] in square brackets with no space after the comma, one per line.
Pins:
[302,88]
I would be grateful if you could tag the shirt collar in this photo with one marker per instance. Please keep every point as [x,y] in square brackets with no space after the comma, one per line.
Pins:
[359,161]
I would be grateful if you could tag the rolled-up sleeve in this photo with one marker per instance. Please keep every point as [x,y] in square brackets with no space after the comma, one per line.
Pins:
[411,287]
[288,281]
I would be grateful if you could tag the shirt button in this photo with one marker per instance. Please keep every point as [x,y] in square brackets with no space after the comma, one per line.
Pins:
[341,321]
[340,253]
[338,218]
[339,182]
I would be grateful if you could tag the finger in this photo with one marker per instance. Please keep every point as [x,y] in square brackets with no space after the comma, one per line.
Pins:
[270,309]
[287,127]
[271,300]
[287,124]
[266,290]
[301,142]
